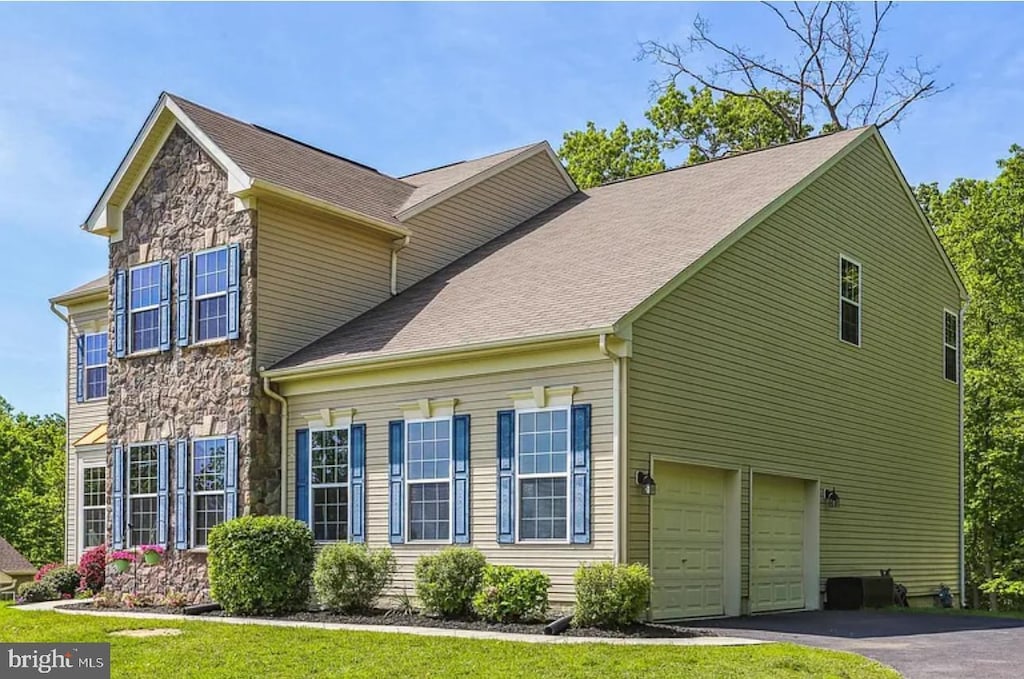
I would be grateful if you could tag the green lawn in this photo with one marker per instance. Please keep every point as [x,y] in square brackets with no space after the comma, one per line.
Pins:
[209,649]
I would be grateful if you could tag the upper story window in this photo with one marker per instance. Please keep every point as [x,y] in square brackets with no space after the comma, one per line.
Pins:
[209,467]
[142,494]
[95,371]
[429,479]
[329,475]
[849,301]
[144,307]
[542,468]
[951,346]
[211,294]
[94,505]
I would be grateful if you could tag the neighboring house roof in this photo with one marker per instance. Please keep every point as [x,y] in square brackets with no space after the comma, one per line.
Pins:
[89,289]
[11,561]
[583,264]
[97,435]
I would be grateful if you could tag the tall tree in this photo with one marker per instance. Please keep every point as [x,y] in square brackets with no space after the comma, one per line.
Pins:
[596,156]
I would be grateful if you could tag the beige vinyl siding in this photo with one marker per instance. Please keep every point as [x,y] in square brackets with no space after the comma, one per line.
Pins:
[82,417]
[464,222]
[313,275]
[742,367]
[480,396]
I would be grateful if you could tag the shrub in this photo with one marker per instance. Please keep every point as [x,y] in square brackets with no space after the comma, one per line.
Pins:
[64,580]
[260,565]
[93,568]
[509,594]
[175,599]
[44,569]
[610,596]
[33,592]
[350,577]
[106,600]
[447,581]
[132,600]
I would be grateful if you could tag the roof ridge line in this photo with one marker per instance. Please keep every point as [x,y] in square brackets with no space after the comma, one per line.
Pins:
[472,160]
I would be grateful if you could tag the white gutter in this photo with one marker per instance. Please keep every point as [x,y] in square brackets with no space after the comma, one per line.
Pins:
[396,245]
[284,441]
[617,477]
[960,411]
[67,432]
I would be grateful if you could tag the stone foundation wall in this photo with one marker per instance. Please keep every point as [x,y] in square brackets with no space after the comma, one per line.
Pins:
[183,572]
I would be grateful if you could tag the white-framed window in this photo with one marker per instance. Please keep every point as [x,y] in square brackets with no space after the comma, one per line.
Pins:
[428,479]
[95,372]
[542,474]
[849,300]
[951,345]
[94,505]
[328,484]
[210,289]
[209,467]
[142,494]
[144,307]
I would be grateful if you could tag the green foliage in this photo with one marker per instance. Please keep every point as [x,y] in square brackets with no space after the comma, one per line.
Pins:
[93,568]
[979,224]
[34,592]
[596,156]
[64,580]
[509,594]
[447,581]
[32,459]
[260,565]
[610,596]
[350,577]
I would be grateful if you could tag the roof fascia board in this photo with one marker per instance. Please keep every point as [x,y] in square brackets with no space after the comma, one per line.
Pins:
[624,324]
[75,299]
[561,168]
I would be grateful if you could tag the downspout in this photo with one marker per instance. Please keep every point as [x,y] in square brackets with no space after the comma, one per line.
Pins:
[960,411]
[67,432]
[284,441]
[396,245]
[602,344]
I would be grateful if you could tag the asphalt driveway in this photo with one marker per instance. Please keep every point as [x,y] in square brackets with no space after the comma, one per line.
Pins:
[917,644]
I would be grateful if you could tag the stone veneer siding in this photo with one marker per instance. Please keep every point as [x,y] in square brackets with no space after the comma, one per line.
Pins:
[180,204]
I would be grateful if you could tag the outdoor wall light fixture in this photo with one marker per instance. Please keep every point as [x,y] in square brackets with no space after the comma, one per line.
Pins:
[830,497]
[646,482]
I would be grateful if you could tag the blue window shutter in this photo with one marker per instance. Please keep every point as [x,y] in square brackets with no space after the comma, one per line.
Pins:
[117,497]
[165,306]
[80,369]
[357,484]
[181,494]
[231,479]
[581,474]
[396,467]
[460,465]
[161,492]
[234,299]
[302,475]
[120,313]
[506,476]
[184,297]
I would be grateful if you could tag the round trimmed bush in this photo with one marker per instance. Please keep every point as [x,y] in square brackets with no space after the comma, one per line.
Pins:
[447,581]
[63,579]
[260,565]
[93,568]
[34,592]
[610,596]
[350,577]
[509,594]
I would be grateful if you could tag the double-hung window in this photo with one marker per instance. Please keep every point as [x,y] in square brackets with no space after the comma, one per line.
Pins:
[329,469]
[849,301]
[542,459]
[211,294]
[209,466]
[142,494]
[144,307]
[95,371]
[951,346]
[94,505]
[429,479]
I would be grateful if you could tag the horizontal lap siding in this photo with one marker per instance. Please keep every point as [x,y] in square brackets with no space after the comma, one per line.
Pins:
[313,275]
[742,367]
[460,224]
[481,397]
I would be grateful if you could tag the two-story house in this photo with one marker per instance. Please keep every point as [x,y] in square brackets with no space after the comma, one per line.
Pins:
[744,374]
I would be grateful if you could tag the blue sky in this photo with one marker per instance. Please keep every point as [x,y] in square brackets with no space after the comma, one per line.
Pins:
[398,87]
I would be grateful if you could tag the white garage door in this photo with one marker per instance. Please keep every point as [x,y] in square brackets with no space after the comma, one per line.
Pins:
[687,541]
[777,536]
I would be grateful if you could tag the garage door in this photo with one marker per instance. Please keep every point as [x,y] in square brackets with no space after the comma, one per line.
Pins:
[687,541]
[777,537]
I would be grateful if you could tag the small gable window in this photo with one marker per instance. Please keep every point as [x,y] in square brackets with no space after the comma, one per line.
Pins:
[211,294]
[849,301]
[951,346]
[144,307]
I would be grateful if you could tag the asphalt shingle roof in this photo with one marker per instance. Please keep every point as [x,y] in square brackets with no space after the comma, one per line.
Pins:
[84,289]
[11,560]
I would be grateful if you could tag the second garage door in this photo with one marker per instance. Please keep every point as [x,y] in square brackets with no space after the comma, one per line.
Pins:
[777,544]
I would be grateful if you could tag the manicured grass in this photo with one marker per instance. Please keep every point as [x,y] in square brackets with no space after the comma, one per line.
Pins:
[210,649]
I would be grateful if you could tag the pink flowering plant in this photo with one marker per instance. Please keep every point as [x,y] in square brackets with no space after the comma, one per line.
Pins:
[122,555]
[152,549]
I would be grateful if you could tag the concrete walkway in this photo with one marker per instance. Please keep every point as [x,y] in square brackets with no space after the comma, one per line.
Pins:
[58,606]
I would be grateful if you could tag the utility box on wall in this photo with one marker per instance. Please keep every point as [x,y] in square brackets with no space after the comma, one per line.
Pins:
[853,593]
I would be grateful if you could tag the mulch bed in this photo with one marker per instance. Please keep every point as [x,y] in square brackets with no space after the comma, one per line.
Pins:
[392,618]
